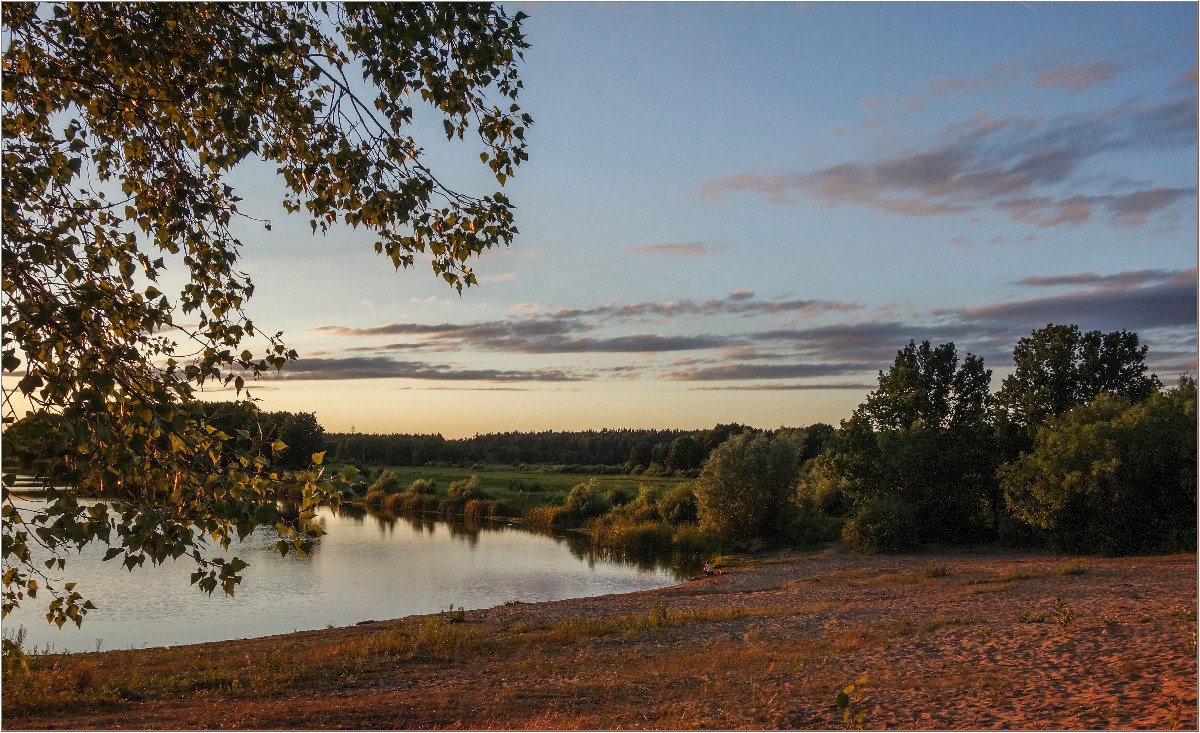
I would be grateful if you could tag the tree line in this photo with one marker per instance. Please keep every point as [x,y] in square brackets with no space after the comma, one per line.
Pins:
[1080,449]
[650,452]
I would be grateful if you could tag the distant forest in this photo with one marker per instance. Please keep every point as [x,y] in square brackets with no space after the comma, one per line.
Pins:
[656,452]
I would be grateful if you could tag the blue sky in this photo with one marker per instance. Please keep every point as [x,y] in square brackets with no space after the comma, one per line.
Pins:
[741,212]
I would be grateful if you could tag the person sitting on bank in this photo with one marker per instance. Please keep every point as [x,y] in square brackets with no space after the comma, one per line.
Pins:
[708,568]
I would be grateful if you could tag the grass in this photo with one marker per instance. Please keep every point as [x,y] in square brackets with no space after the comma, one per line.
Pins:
[1074,567]
[934,570]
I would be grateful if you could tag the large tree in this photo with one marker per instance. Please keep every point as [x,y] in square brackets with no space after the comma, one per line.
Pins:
[922,440]
[121,123]
[1058,367]
[927,383]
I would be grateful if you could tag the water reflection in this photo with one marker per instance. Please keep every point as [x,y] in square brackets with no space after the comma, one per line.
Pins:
[579,544]
[370,565]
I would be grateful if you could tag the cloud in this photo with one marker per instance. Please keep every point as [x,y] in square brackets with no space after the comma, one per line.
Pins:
[1159,303]
[879,101]
[368,303]
[1188,79]
[961,241]
[1076,79]
[1011,164]
[740,371]
[740,302]
[873,342]
[691,249]
[783,386]
[498,278]
[1116,303]
[1132,210]
[1122,280]
[476,331]
[1128,210]
[379,367]
[531,336]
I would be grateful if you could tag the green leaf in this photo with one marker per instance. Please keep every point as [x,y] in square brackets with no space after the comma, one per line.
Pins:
[842,700]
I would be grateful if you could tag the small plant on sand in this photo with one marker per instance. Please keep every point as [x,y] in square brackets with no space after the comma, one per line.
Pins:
[658,614]
[1108,620]
[1063,614]
[1014,574]
[570,629]
[1144,618]
[1184,613]
[1075,567]
[1032,617]
[852,702]
[456,617]
[934,570]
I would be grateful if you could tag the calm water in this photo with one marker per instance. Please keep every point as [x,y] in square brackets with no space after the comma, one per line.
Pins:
[365,568]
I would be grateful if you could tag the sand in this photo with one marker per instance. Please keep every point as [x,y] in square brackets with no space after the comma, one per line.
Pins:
[1115,647]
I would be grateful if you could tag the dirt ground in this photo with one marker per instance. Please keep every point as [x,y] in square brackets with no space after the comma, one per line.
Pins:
[945,640]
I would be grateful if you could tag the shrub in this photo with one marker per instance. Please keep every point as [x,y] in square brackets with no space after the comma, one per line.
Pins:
[423,486]
[1113,477]
[545,516]
[614,532]
[825,486]
[374,498]
[387,483]
[882,524]
[461,492]
[934,570]
[585,501]
[745,487]
[618,496]
[394,502]
[688,537]
[481,509]
[1074,567]
[678,504]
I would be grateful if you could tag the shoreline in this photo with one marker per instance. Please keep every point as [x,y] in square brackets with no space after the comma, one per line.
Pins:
[946,639]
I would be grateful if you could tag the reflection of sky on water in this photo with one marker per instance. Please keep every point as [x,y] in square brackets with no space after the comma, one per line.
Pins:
[367,567]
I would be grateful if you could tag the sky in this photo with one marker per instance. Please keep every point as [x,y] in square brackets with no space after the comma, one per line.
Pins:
[739,213]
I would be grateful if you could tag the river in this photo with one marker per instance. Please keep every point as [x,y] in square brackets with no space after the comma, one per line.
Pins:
[367,567]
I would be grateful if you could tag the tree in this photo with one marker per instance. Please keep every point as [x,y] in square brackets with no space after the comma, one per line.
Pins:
[1113,476]
[120,125]
[746,486]
[640,456]
[303,436]
[921,441]
[1058,367]
[926,383]
[684,454]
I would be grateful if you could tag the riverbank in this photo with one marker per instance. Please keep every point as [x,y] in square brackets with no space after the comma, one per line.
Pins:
[945,640]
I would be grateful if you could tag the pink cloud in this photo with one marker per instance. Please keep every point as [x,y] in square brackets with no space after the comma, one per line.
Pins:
[1076,79]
